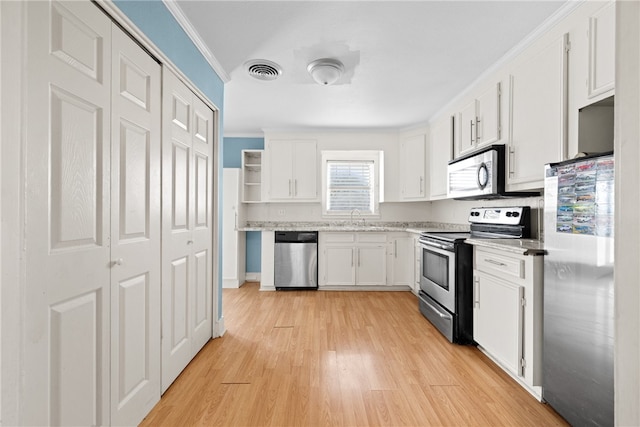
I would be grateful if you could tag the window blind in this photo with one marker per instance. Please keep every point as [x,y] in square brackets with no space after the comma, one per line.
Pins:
[350,186]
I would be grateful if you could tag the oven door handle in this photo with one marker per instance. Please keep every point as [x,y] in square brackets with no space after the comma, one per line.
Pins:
[433,245]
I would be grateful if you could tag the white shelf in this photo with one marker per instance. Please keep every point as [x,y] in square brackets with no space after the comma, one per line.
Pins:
[252,176]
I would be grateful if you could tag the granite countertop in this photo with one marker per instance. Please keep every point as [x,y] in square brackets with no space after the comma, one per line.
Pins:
[517,246]
[381,226]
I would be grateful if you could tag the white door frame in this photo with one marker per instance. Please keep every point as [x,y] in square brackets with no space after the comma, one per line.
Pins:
[12,208]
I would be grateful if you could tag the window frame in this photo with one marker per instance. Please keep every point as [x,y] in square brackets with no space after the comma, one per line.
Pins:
[354,156]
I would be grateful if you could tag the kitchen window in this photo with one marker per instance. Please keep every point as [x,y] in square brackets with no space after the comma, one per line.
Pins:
[351,182]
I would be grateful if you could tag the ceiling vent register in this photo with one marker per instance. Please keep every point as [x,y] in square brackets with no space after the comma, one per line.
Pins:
[262,69]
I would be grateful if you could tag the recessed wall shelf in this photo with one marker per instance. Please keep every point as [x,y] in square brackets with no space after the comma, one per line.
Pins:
[252,176]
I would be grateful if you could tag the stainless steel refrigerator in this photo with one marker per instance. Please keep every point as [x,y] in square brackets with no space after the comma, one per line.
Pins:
[578,328]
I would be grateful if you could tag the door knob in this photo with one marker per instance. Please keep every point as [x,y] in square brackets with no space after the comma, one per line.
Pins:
[119,261]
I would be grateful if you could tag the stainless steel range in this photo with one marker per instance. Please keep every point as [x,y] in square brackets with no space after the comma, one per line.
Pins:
[446,278]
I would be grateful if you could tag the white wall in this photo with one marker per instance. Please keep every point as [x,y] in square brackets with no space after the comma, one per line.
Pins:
[627,239]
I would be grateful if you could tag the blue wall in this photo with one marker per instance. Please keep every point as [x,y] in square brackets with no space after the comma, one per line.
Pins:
[232,158]
[232,147]
[254,251]
[155,20]
[159,25]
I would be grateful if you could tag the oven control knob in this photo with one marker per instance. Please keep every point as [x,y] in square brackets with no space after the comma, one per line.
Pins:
[508,214]
[515,214]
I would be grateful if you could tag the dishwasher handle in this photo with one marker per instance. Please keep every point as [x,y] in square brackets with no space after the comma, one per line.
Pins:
[296,237]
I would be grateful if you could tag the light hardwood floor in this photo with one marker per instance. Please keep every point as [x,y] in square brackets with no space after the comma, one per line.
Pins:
[305,358]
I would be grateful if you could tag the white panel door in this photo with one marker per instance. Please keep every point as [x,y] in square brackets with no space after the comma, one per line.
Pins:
[67,214]
[187,206]
[202,137]
[177,223]
[135,231]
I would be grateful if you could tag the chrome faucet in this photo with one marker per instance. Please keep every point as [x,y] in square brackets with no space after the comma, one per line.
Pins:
[355,210]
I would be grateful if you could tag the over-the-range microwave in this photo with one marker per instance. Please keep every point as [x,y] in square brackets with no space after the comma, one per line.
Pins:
[480,175]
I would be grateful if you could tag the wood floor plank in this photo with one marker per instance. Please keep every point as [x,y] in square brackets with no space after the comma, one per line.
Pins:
[304,358]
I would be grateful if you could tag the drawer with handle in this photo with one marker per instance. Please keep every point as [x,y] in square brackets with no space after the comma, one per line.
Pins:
[498,264]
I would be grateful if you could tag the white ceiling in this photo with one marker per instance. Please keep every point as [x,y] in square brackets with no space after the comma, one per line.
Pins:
[404,60]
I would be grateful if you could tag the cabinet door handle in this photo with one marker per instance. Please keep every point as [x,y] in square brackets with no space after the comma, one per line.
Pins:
[289,188]
[512,157]
[494,262]
[352,257]
[295,187]
[476,292]
[358,257]
[477,129]
[395,248]
[471,132]
[421,181]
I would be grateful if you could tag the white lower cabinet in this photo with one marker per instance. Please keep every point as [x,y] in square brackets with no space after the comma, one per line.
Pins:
[371,264]
[497,319]
[338,266]
[349,259]
[401,259]
[507,312]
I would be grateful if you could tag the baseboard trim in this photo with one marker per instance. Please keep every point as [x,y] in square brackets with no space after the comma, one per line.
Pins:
[231,283]
[219,328]
[401,288]
[252,277]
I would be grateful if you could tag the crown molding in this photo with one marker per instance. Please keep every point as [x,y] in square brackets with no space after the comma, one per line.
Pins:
[191,32]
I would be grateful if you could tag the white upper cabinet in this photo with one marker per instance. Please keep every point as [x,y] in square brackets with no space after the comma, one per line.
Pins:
[602,51]
[488,115]
[538,110]
[292,170]
[413,150]
[479,121]
[440,153]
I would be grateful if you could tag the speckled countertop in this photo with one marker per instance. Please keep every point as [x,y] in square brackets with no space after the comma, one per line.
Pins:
[411,227]
[518,246]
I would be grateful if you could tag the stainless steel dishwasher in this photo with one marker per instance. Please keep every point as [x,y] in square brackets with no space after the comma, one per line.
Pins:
[296,260]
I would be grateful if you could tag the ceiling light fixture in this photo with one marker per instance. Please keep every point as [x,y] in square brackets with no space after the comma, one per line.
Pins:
[325,71]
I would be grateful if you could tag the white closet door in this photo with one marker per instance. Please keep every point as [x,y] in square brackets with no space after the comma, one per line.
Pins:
[67,212]
[177,225]
[187,183]
[202,226]
[135,231]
